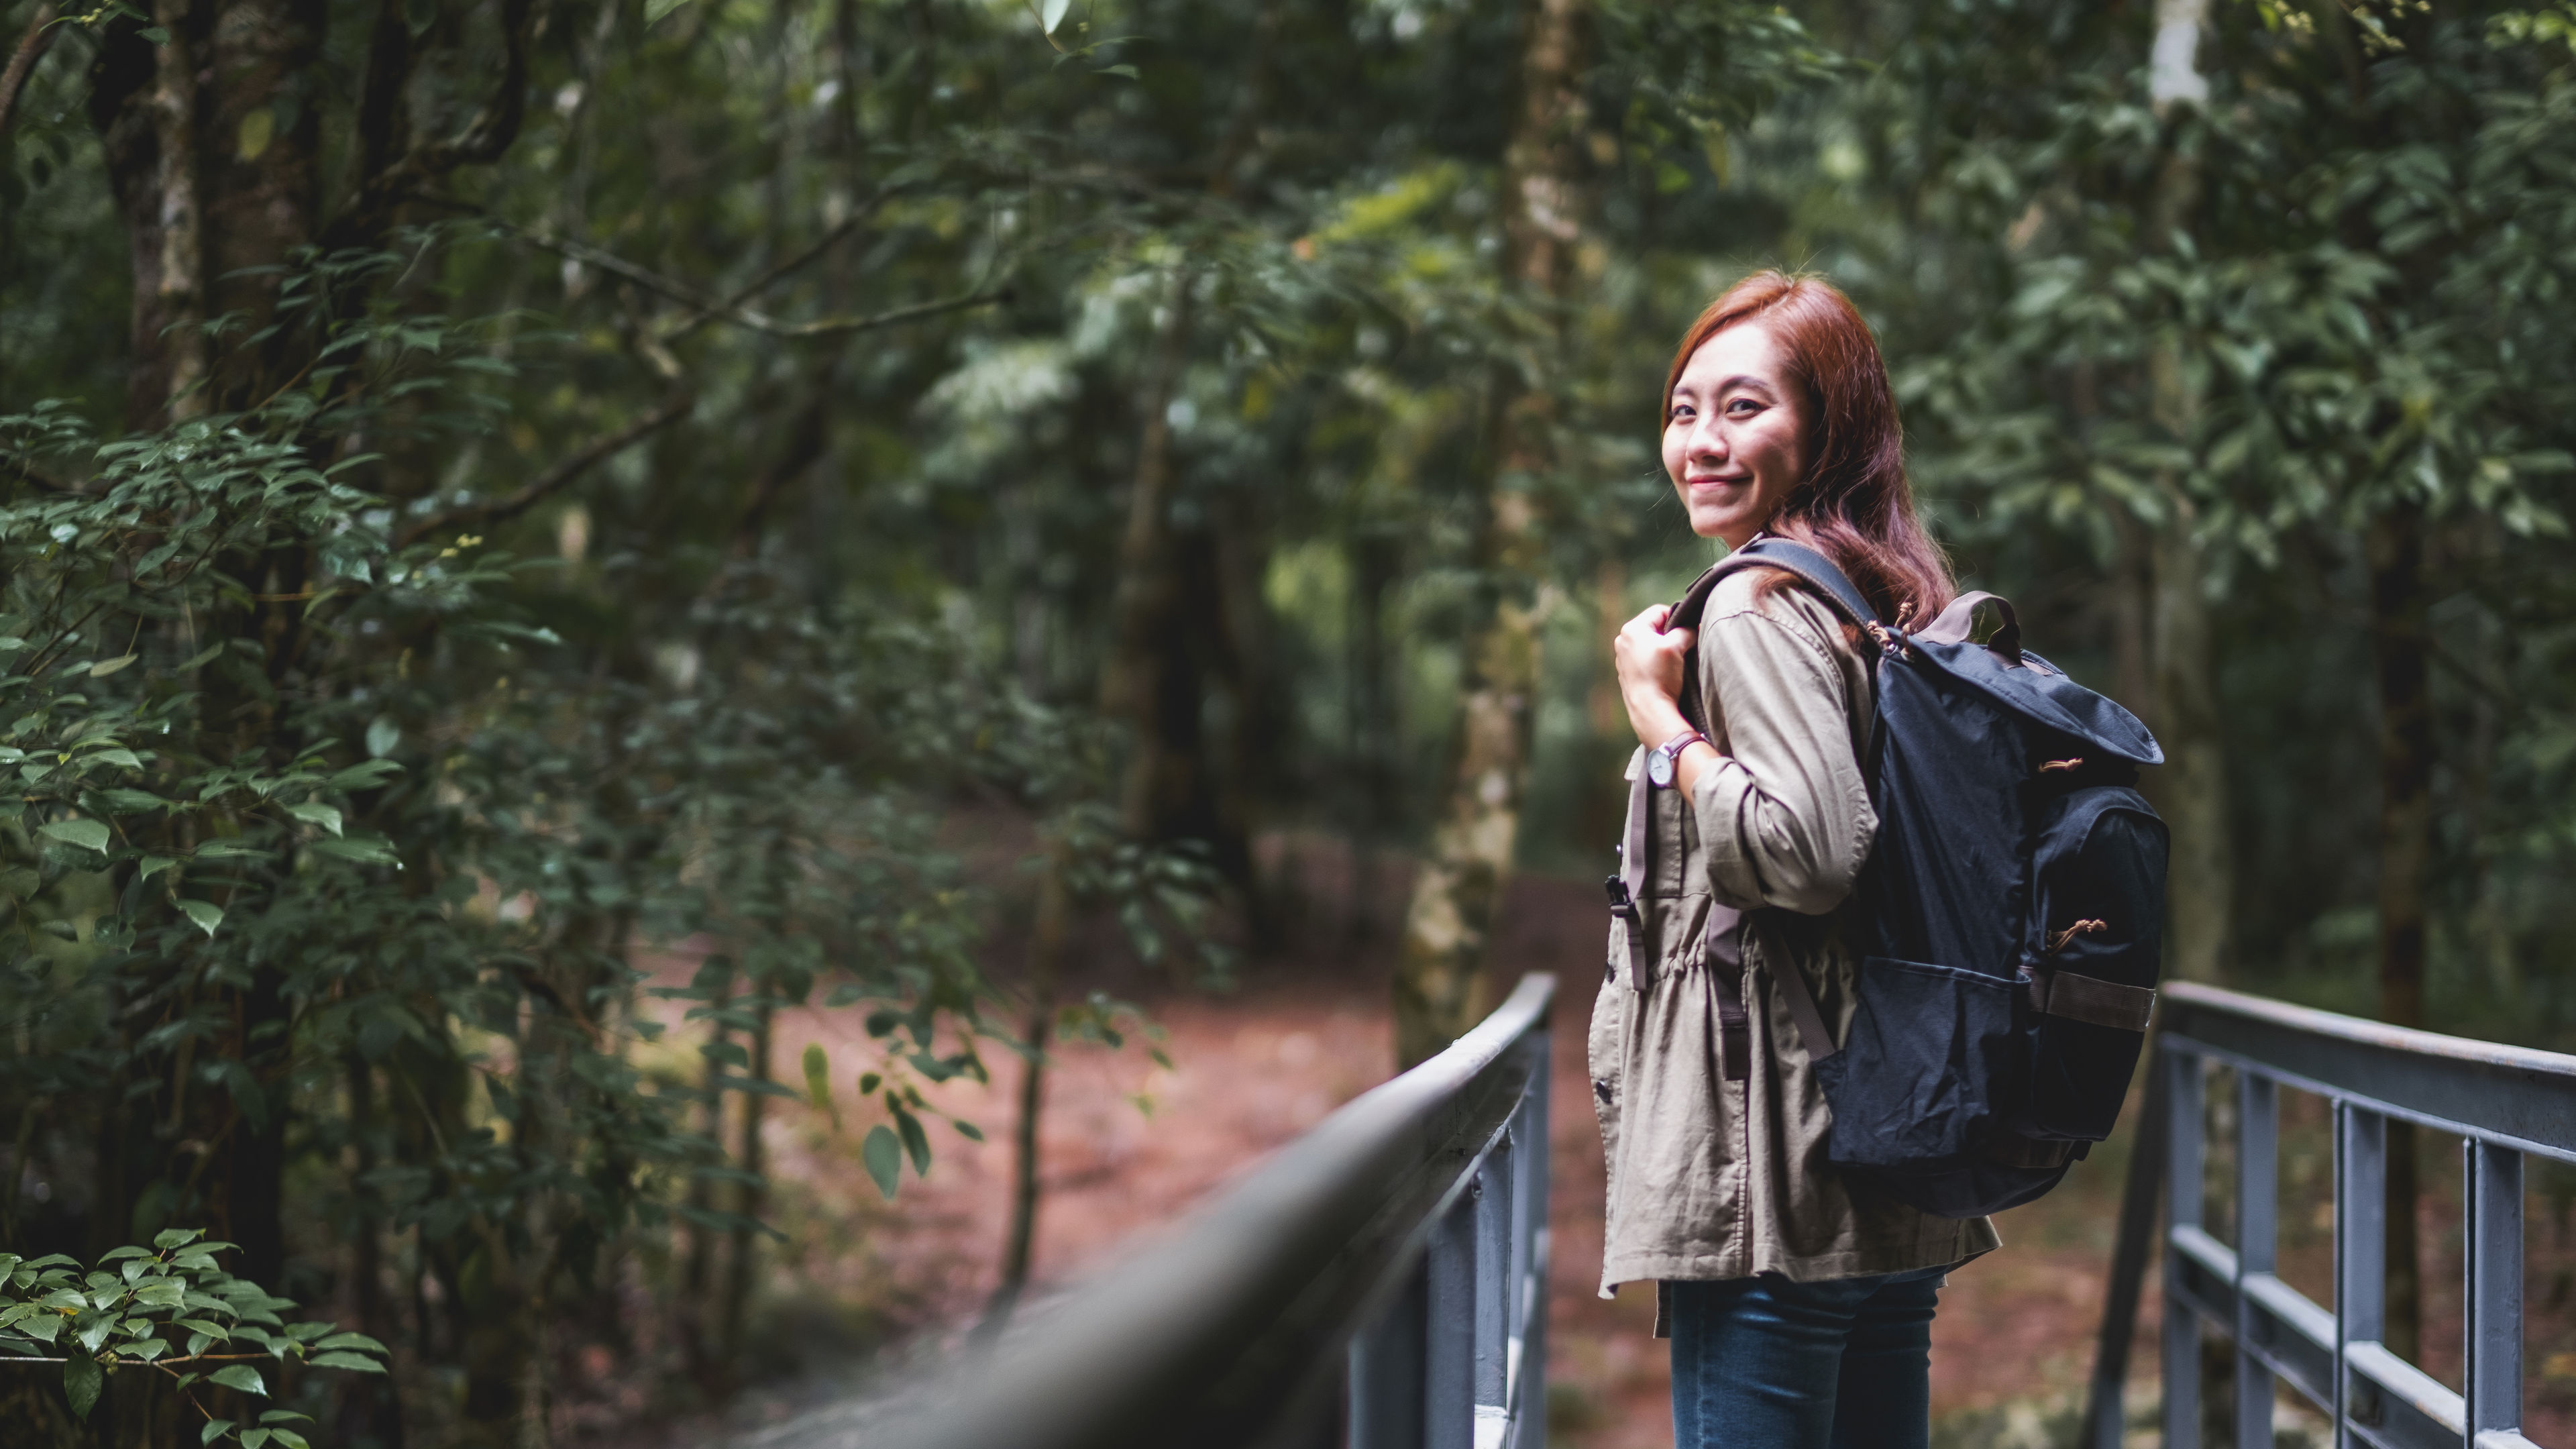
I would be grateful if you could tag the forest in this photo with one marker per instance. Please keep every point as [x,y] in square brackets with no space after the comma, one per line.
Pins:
[539,535]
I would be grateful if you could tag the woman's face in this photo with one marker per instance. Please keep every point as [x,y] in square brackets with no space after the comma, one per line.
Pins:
[1735,434]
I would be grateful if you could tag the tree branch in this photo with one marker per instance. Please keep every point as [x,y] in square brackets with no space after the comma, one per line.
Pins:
[482,141]
[731,311]
[581,460]
[22,63]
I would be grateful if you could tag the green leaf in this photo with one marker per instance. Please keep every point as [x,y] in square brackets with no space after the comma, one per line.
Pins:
[382,736]
[88,834]
[96,1332]
[240,1376]
[288,1439]
[215,1429]
[113,1255]
[206,916]
[284,1416]
[351,1340]
[154,35]
[369,850]
[915,1142]
[884,1158]
[347,1361]
[44,1327]
[364,777]
[146,1349]
[969,1131]
[254,1438]
[153,865]
[868,1082]
[168,1238]
[818,1080]
[82,1379]
[106,667]
[314,812]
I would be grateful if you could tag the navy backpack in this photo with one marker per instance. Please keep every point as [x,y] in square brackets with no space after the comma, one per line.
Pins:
[2012,911]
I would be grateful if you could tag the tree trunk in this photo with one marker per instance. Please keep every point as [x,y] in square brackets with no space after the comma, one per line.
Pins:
[1376,559]
[2191,790]
[1440,985]
[699,1344]
[1136,685]
[1046,955]
[2400,658]
[751,1197]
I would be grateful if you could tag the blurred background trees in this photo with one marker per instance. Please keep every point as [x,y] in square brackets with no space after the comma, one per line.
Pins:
[539,532]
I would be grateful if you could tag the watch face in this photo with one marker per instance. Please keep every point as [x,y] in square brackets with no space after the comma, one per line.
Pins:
[1659,768]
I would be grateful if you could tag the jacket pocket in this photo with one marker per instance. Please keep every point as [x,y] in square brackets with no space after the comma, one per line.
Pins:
[1931,1051]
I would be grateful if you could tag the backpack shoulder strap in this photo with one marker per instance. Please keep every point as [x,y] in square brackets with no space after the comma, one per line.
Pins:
[1816,570]
[1811,567]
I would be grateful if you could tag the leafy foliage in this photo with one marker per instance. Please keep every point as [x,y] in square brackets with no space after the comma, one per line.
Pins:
[170,1310]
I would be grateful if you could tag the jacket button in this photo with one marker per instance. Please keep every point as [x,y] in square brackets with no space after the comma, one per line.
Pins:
[1601,1089]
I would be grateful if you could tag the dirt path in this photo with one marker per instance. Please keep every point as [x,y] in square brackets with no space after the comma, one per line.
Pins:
[1129,1145]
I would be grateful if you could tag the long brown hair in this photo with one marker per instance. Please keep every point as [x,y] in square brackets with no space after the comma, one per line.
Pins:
[1854,504]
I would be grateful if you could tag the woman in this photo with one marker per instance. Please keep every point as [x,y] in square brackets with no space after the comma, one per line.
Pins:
[1799,1300]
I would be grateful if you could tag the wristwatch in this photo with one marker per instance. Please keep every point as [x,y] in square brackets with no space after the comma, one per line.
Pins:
[1665,759]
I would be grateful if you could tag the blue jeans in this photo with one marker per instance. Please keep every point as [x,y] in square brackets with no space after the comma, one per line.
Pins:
[1765,1363]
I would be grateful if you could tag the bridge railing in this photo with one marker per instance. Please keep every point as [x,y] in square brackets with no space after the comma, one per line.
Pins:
[2501,1102]
[1381,1283]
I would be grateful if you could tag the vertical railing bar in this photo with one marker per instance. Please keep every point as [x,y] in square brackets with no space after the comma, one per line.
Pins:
[2186,1156]
[1531,1432]
[2361,1286]
[1493,1208]
[1449,1331]
[1387,1370]
[2258,1196]
[2106,1409]
[2491,1344]
[1516,1272]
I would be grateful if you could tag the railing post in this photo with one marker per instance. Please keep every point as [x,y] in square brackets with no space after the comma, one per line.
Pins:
[2258,1174]
[2492,1347]
[1387,1370]
[1529,1314]
[1493,1192]
[2106,1412]
[2185,1124]
[2360,1248]
[1449,1329]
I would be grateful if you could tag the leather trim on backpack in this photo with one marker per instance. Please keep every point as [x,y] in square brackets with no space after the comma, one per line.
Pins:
[2090,998]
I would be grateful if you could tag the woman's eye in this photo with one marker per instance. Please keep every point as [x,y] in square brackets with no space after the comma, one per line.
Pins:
[1680,411]
[1742,407]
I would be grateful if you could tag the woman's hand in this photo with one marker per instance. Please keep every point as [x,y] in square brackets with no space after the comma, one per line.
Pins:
[1650,675]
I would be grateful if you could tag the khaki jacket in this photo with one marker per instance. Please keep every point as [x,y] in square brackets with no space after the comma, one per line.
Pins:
[1717,1179]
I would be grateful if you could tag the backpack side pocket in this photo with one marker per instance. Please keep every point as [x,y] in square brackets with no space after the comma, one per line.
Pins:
[2091,975]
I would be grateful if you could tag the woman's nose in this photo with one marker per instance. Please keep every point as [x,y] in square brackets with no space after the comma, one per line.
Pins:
[1708,440]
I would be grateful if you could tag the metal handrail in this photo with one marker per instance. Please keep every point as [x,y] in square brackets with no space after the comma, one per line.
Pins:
[1385,1273]
[2500,1101]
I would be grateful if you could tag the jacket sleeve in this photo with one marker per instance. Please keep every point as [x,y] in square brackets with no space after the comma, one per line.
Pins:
[1784,817]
